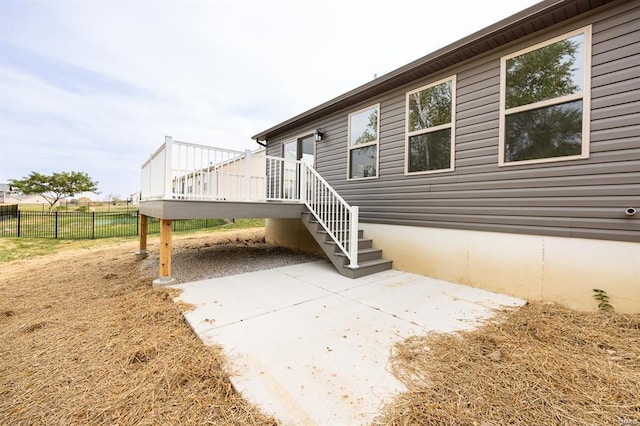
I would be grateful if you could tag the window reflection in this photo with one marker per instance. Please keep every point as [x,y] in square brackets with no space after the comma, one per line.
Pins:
[544,100]
[430,151]
[430,127]
[554,131]
[364,127]
[363,162]
[363,143]
[546,73]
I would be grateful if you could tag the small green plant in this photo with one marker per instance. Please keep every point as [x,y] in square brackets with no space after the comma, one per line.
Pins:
[603,299]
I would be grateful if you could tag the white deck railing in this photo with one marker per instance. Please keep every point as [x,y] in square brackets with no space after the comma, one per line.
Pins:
[187,171]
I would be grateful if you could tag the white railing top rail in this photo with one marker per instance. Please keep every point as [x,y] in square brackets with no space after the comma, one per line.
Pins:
[209,147]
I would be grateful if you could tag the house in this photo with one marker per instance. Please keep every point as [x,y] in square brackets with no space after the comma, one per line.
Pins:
[22,199]
[509,160]
[5,193]
[134,199]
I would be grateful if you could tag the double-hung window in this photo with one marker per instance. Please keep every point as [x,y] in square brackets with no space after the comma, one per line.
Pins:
[544,101]
[364,131]
[430,128]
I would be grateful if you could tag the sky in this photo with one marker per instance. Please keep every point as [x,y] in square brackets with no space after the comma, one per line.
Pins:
[95,85]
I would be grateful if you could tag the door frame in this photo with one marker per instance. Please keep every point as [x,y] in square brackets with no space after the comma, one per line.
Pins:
[298,139]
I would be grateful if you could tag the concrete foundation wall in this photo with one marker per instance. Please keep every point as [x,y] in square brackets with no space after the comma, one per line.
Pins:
[290,233]
[555,269]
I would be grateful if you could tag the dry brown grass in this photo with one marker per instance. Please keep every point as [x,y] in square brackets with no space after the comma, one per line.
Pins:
[539,365]
[84,339]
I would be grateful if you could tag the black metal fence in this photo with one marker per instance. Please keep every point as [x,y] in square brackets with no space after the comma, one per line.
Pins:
[9,210]
[86,225]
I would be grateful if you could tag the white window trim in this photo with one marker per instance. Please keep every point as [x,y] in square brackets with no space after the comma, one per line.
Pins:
[376,142]
[451,126]
[585,96]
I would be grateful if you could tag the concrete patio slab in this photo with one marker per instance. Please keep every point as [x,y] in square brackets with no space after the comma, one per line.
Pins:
[311,347]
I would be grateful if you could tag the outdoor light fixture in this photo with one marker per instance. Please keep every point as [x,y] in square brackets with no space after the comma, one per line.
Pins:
[319,135]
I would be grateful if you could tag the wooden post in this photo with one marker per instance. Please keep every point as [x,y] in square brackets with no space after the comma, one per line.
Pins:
[165,248]
[144,227]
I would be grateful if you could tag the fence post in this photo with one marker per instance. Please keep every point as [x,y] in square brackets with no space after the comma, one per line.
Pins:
[56,224]
[93,225]
[19,216]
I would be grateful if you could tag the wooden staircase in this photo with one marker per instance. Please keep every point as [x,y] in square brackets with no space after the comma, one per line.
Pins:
[370,259]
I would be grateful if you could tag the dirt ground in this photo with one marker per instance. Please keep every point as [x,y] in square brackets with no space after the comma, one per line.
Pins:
[84,339]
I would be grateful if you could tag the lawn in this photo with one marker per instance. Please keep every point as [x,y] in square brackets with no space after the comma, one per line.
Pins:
[22,248]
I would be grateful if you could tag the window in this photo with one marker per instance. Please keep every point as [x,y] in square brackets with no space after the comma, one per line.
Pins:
[364,128]
[430,131]
[544,101]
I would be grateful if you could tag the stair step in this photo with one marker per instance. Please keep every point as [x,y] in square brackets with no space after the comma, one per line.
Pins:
[370,267]
[365,254]
[369,259]
[363,243]
[322,231]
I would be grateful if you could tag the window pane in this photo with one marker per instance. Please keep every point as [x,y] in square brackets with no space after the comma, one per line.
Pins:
[307,145]
[289,169]
[430,107]
[546,73]
[290,150]
[363,162]
[554,131]
[363,127]
[430,151]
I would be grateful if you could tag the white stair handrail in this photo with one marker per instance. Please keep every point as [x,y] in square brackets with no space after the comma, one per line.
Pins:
[337,217]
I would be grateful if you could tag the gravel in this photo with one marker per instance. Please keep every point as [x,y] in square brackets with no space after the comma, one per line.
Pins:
[217,255]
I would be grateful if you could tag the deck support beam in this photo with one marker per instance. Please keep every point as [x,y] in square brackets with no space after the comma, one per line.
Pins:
[144,228]
[165,254]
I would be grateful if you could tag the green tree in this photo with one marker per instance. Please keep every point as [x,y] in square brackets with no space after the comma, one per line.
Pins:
[370,132]
[544,74]
[55,186]
[429,108]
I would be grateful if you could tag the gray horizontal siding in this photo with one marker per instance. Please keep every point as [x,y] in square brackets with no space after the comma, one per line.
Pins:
[580,198]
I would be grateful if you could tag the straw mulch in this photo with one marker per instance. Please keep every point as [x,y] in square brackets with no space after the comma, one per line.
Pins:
[539,365]
[84,339]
